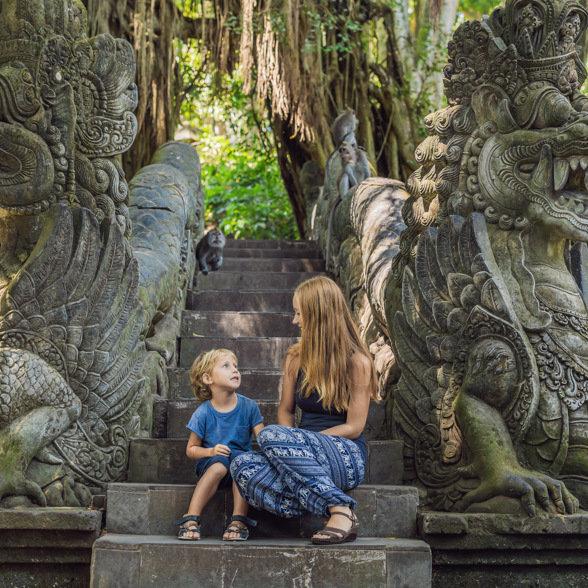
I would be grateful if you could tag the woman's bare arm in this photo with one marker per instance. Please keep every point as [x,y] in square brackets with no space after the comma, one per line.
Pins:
[287,407]
[359,401]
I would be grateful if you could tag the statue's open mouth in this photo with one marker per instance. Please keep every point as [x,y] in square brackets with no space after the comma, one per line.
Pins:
[28,209]
[570,183]
[560,182]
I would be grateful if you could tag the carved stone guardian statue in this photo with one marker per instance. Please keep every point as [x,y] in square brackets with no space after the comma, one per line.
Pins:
[72,354]
[491,330]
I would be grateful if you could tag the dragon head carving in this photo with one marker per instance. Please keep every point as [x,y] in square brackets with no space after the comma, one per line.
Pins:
[513,142]
[66,105]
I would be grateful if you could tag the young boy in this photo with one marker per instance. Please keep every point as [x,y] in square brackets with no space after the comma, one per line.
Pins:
[220,429]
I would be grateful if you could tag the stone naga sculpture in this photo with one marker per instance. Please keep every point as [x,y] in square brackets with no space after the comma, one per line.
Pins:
[487,300]
[71,322]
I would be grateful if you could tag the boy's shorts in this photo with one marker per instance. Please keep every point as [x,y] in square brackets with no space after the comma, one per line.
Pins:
[203,464]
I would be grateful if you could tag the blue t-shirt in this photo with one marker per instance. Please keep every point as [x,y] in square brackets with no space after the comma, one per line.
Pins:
[233,428]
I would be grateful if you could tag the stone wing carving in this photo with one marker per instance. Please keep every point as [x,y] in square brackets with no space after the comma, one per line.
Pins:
[454,298]
[74,305]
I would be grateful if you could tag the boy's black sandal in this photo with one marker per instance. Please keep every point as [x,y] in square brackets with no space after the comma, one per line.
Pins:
[243,531]
[188,528]
[334,535]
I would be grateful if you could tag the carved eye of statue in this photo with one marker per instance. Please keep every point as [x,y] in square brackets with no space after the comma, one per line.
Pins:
[57,75]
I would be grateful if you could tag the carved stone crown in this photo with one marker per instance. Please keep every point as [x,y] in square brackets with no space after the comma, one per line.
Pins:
[544,29]
[521,43]
[544,33]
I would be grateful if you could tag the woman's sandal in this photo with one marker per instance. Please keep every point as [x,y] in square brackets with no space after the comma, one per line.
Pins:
[192,528]
[335,535]
[243,531]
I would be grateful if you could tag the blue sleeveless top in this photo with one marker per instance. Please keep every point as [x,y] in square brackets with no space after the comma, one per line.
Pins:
[316,418]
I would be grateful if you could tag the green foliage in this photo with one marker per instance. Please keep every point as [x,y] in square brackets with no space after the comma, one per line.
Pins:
[244,191]
[245,195]
[477,8]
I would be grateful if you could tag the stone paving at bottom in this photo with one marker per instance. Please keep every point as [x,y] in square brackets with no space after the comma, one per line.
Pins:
[162,561]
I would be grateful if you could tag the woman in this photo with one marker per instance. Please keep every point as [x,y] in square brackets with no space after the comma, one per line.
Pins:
[331,377]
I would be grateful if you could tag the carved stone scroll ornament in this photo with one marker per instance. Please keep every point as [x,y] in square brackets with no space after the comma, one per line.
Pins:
[492,329]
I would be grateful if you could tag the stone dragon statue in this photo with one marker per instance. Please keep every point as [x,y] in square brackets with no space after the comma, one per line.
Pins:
[80,287]
[488,292]
[481,289]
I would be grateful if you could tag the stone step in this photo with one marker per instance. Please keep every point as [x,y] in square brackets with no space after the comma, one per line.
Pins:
[265,300]
[272,244]
[164,461]
[238,324]
[291,253]
[179,411]
[239,264]
[150,509]
[244,280]
[251,352]
[47,546]
[137,561]
[255,384]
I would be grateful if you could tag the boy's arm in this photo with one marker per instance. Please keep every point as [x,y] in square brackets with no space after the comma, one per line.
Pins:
[195,451]
[257,428]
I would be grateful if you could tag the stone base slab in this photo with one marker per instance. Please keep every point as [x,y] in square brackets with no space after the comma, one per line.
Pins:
[509,551]
[131,561]
[47,547]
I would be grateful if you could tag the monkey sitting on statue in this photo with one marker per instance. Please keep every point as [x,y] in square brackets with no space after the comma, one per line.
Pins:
[210,251]
[344,128]
[351,169]
[356,167]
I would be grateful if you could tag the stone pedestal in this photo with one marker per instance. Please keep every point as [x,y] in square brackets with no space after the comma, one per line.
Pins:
[506,550]
[47,547]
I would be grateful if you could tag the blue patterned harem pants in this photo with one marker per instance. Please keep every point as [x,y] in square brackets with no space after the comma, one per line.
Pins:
[298,471]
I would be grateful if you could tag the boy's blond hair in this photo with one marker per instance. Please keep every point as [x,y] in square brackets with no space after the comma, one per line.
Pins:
[203,364]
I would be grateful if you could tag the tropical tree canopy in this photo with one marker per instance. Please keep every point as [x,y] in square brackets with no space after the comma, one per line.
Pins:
[289,67]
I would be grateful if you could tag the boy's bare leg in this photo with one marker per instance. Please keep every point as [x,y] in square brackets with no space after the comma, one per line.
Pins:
[205,490]
[240,507]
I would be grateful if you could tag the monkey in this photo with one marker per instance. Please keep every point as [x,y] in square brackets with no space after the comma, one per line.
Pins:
[356,167]
[210,251]
[344,128]
[343,131]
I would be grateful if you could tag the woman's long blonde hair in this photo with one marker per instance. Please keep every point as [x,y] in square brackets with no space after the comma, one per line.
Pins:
[328,340]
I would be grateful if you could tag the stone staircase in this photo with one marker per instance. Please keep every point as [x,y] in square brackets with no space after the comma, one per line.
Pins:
[247,307]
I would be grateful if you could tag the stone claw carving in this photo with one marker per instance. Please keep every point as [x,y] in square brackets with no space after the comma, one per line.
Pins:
[529,487]
[16,483]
